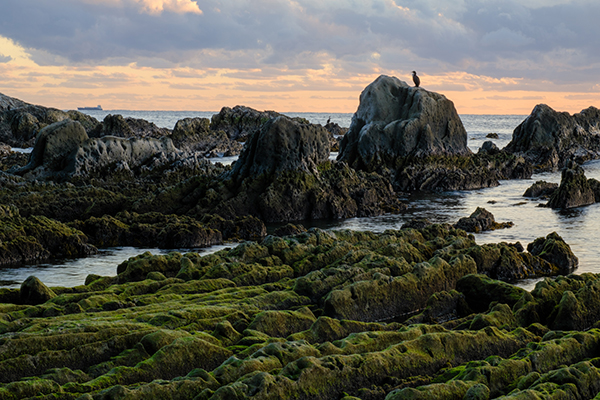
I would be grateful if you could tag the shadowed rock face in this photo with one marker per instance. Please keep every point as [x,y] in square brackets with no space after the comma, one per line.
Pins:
[548,138]
[395,120]
[283,145]
[574,190]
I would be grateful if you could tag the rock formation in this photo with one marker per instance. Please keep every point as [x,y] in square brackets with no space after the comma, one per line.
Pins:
[416,139]
[574,190]
[480,220]
[283,174]
[282,145]
[20,122]
[116,125]
[240,122]
[541,189]
[194,134]
[395,120]
[548,139]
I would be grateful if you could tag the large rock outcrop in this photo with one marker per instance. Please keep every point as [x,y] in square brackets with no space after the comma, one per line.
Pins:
[395,120]
[64,151]
[20,122]
[416,139]
[283,145]
[240,122]
[548,139]
[283,174]
[194,134]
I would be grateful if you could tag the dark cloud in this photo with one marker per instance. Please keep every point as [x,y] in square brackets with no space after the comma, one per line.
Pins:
[522,39]
[5,59]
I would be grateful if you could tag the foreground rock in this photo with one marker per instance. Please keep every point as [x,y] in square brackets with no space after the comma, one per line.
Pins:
[416,139]
[548,139]
[294,318]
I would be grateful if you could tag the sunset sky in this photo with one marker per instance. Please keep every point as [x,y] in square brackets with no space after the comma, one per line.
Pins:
[488,56]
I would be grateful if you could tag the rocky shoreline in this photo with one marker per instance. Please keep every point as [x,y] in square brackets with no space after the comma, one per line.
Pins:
[420,312]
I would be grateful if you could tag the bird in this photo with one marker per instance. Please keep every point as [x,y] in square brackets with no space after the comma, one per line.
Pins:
[416,79]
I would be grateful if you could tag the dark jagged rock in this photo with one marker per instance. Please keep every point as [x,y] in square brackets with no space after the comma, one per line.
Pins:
[240,122]
[63,151]
[194,134]
[283,174]
[54,144]
[480,220]
[20,122]
[395,120]
[116,125]
[282,145]
[553,249]
[489,147]
[459,173]
[548,139]
[574,189]
[541,189]
[492,135]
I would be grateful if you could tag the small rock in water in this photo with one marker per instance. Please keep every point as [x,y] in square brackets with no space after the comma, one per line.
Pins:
[574,190]
[492,135]
[481,220]
[541,189]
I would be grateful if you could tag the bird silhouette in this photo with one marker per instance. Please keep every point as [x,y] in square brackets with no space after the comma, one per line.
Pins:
[416,79]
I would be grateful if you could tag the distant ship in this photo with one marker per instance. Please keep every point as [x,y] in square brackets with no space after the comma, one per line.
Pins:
[98,107]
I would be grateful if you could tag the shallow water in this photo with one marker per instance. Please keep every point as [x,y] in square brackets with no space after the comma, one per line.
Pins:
[578,226]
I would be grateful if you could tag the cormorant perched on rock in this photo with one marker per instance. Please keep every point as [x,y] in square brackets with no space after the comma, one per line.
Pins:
[416,79]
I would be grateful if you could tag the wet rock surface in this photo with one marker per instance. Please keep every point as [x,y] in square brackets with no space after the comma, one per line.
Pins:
[289,317]
[548,139]
[480,220]
[574,189]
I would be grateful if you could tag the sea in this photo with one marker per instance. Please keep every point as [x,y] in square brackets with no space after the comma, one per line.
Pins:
[578,227]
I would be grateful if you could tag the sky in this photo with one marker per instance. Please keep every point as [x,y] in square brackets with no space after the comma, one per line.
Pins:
[487,56]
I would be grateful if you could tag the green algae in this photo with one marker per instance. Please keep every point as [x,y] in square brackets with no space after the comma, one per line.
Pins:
[257,321]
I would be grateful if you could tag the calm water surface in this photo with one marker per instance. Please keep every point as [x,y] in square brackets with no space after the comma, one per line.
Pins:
[579,227]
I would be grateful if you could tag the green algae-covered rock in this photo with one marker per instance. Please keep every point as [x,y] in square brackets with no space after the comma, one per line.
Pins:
[33,291]
[256,322]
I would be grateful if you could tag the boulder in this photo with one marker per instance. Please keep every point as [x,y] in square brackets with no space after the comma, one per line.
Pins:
[541,189]
[395,120]
[548,138]
[282,145]
[33,291]
[480,220]
[574,189]
[489,147]
[556,251]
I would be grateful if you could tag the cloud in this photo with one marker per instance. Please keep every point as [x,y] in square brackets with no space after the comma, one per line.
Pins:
[5,59]
[533,41]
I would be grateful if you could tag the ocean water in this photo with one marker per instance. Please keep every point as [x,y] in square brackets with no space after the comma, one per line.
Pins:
[577,226]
